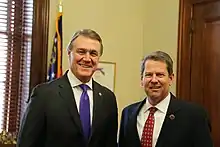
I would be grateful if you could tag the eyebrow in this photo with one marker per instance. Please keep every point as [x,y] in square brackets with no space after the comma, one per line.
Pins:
[91,51]
[87,49]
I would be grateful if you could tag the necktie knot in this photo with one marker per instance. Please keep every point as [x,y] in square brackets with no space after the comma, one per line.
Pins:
[152,110]
[84,87]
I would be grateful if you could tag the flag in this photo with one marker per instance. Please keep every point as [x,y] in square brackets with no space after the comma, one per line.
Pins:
[55,65]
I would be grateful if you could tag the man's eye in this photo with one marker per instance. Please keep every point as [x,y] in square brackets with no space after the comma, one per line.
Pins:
[81,51]
[160,74]
[94,53]
[148,75]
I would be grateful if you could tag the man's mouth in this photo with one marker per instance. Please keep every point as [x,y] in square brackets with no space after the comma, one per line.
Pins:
[155,87]
[85,66]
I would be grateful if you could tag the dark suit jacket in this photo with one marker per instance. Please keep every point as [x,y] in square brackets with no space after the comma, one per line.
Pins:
[52,118]
[188,128]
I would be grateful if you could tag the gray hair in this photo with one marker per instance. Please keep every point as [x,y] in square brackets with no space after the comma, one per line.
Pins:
[86,33]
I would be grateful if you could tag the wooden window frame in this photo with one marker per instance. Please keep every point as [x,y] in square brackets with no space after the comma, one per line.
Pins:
[38,69]
[39,42]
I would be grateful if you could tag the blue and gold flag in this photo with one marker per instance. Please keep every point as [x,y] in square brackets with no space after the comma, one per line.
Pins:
[55,66]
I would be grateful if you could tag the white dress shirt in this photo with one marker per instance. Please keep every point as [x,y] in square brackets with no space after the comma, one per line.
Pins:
[77,91]
[159,116]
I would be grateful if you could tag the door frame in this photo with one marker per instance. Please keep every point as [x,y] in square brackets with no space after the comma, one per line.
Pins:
[183,84]
[185,28]
[184,51]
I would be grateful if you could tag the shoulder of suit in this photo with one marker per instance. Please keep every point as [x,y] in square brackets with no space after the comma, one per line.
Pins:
[191,107]
[102,87]
[49,84]
[131,106]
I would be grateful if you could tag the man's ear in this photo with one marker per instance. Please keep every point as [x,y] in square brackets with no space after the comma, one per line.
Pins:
[171,79]
[68,52]
[142,83]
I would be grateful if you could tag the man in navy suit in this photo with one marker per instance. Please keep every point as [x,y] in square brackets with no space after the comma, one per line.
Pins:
[161,119]
[74,110]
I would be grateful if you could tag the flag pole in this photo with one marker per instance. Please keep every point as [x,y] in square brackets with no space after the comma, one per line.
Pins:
[59,41]
[55,67]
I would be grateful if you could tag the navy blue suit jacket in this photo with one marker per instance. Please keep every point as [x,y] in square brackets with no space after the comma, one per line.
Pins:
[188,128]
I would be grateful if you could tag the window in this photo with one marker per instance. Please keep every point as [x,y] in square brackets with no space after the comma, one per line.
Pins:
[23,55]
[15,57]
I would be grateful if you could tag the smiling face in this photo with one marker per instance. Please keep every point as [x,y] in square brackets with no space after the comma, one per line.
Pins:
[84,57]
[156,81]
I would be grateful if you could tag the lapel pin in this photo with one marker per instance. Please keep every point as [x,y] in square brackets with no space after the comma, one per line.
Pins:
[172,116]
[100,94]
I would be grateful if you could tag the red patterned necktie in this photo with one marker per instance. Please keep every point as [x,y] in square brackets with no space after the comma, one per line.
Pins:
[147,135]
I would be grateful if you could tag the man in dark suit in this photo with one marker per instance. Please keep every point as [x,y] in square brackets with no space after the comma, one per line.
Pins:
[74,110]
[162,120]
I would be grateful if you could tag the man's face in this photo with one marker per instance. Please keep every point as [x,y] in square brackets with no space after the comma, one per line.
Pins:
[84,57]
[156,81]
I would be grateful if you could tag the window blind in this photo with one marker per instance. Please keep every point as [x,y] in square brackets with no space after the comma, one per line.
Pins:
[15,59]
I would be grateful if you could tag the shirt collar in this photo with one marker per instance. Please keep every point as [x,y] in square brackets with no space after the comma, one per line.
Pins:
[74,81]
[162,106]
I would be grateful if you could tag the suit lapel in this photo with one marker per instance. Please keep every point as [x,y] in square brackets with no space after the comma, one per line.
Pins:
[132,124]
[98,114]
[172,111]
[66,93]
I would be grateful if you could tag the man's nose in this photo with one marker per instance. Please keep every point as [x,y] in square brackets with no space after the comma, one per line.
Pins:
[87,56]
[154,78]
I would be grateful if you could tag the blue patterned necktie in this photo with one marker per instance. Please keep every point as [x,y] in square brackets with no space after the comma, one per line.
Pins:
[84,111]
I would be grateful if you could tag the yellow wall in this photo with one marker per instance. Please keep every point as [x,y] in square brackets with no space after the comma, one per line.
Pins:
[129,30]
[161,28]
[52,18]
